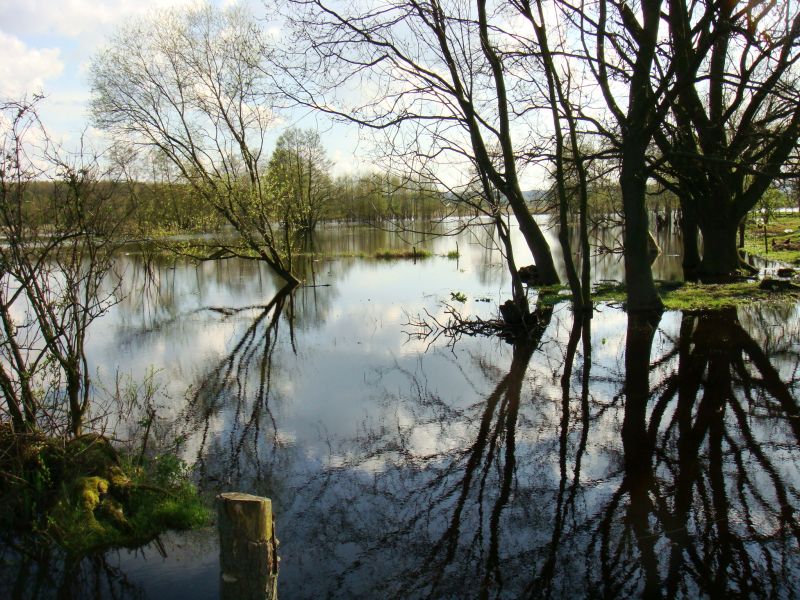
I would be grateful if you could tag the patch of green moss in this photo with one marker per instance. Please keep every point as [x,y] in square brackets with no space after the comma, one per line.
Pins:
[127,515]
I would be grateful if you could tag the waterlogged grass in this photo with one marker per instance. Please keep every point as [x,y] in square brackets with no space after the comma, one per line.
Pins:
[684,296]
[401,253]
[85,496]
[389,254]
[692,296]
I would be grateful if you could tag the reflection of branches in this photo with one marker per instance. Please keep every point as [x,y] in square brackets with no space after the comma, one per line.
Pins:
[682,488]
[229,384]
[541,585]
[718,517]
[451,503]
[36,569]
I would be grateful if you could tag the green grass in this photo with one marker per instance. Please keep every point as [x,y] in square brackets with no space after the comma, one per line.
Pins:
[776,231]
[453,254]
[400,253]
[692,296]
[683,296]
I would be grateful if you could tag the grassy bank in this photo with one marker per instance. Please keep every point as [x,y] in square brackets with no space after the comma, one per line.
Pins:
[688,296]
[782,232]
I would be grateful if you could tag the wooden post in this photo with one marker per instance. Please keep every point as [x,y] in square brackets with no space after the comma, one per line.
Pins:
[247,547]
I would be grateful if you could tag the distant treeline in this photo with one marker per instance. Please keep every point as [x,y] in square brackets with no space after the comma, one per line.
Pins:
[149,208]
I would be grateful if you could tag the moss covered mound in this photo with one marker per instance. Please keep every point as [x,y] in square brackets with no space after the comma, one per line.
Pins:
[86,496]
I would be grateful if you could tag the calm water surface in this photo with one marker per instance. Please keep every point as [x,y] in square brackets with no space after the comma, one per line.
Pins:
[616,458]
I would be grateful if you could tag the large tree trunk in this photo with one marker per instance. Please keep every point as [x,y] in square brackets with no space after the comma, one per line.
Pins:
[720,253]
[642,293]
[691,248]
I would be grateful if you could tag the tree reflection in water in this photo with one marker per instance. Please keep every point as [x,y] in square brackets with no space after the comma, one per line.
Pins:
[668,473]
[31,571]
[684,484]
[241,385]
[709,474]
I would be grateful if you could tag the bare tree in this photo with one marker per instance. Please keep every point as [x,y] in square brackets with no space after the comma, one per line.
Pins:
[547,48]
[59,231]
[620,47]
[191,84]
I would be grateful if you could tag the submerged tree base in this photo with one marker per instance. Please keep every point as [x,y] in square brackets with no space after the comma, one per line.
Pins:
[86,496]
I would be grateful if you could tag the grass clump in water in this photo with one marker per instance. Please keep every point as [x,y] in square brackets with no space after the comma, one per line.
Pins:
[550,295]
[453,254]
[399,253]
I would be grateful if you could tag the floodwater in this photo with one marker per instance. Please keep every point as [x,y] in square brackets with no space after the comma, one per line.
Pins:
[608,458]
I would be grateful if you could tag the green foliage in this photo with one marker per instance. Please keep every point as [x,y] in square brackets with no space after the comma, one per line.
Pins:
[458,297]
[453,254]
[299,170]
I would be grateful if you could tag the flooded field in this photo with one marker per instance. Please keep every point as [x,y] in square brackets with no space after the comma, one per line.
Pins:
[603,458]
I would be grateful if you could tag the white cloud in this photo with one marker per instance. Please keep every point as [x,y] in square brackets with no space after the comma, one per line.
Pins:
[23,70]
[73,18]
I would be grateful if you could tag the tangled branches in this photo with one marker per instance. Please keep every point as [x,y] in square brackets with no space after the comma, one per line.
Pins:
[454,325]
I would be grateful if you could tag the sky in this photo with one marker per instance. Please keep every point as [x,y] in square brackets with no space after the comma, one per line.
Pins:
[46,48]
